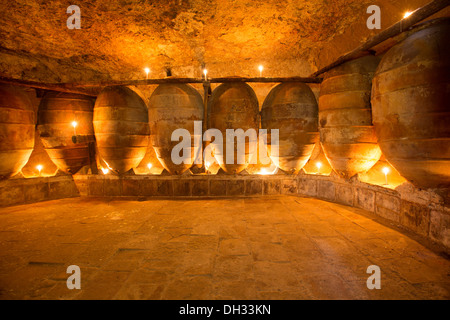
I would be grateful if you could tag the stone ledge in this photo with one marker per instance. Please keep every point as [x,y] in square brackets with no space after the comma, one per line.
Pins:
[31,190]
[185,186]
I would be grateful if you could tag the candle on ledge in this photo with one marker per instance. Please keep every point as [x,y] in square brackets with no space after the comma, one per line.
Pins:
[205,72]
[318,165]
[386,171]
[39,167]
[261,68]
[407,14]
[74,125]
[147,71]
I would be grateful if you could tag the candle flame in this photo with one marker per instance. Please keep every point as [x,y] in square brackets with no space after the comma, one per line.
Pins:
[74,124]
[386,170]
[147,70]
[319,165]
[261,68]
[105,170]
[39,167]
[265,171]
[407,14]
[149,165]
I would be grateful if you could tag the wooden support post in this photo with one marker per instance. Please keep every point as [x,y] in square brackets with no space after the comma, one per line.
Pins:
[207,93]
[92,158]
[83,138]
[90,140]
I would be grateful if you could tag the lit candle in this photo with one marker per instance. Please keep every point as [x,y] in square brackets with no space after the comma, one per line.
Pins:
[39,167]
[407,14]
[318,165]
[205,72]
[147,71]
[266,171]
[74,125]
[149,166]
[386,171]
[261,68]
[105,170]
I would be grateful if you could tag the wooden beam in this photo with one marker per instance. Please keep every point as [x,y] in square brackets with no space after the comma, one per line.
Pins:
[394,30]
[389,43]
[94,88]
[145,82]
[60,87]
[267,80]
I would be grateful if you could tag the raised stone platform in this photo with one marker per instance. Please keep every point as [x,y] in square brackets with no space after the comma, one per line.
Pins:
[423,212]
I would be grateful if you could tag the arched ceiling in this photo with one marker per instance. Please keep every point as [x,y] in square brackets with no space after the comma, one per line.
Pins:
[118,39]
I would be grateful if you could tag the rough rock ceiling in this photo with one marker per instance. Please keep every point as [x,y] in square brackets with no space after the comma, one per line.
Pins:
[119,38]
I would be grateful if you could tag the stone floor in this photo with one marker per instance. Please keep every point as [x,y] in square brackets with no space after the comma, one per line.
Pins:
[266,248]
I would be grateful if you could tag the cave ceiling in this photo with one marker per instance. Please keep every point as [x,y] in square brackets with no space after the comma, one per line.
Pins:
[118,39]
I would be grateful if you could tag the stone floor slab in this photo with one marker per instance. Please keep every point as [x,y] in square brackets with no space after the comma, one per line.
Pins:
[277,247]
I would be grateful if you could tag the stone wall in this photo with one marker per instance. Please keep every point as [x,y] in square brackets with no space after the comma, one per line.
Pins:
[22,191]
[422,212]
